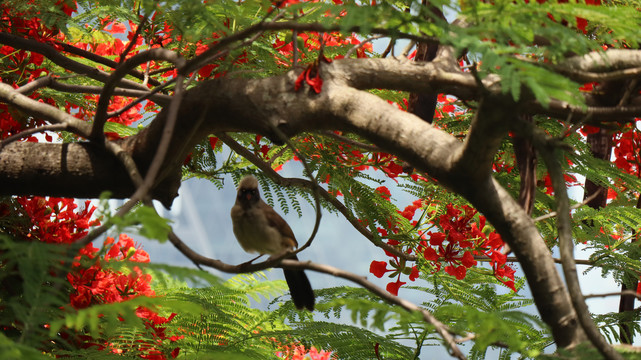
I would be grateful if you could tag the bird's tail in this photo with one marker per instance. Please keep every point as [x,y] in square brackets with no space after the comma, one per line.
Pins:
[300,289]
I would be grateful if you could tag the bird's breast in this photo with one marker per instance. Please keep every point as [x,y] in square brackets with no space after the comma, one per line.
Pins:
[255,234]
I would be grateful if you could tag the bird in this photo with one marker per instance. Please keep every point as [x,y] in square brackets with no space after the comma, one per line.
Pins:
[259,229]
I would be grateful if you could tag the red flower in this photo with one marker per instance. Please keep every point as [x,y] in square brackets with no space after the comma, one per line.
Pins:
[378,268]
[468,260]
[393,287]
[212,142]
[384,191]
[457,271]
[430,254]
[414,274]
[311,75]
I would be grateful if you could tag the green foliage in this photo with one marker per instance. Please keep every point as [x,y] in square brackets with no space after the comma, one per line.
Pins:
[144,218]
[610,324]
[33,289]
[478,305]
[13,351]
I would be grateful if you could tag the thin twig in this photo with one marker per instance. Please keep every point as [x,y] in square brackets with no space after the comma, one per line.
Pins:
[36,84]
[101,60]
[59,59]
[133,40]
[361,44]
[121,71]
[484,258]
[27,132]
[139,99]
[351,142]
[617,293]
[575,206]
[408,48]
[586,76]
[44,111]
[205,57]
[143,186]
[197,258]
[160,99]
[628,92]
[390,48]
[312,179]
[295,44]
[441,328]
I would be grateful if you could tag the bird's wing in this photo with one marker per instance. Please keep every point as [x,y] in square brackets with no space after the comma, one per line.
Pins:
[276,221]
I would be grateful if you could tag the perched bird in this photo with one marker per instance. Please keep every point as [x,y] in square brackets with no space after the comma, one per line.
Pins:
[259,229]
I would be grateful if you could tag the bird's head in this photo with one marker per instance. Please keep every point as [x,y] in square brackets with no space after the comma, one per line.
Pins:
[248,191]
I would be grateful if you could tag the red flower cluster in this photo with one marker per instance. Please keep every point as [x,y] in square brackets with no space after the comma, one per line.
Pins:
[95,284]
[62,221]
[626,151]
[298,352]
[581,23]
[459,240]
[28,24]
[312,42]
[398,265]
[57,220]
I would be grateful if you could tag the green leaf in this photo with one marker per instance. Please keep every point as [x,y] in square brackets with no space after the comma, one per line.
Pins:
[120,129]
[154,226]
[151,225]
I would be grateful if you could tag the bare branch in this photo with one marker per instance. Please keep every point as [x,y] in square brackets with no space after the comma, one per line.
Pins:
[36,84]
[566,247]
[27,132]
[307,265]
[603,61]
[575,206]
[361,44]
[122,71]
[102,60]
[617,293]
[351,142]
[152,95]
[42,110]
[441,328]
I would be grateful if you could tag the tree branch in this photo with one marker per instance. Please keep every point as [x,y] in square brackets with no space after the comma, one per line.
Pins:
[566,247]
[122,71]
[27,132]
[441,328]
[308,265]
[47,112]
[57,58]
[103,60]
